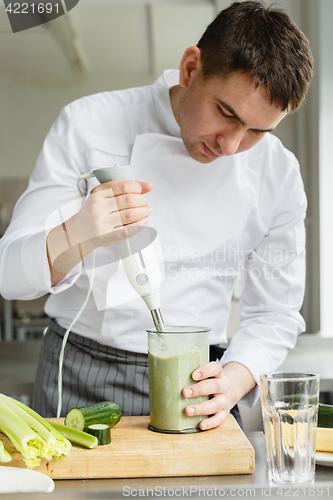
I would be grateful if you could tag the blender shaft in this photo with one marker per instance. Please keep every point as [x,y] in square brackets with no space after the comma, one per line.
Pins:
[158,320]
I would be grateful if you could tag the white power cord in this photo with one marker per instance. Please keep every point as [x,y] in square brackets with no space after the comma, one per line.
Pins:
[64,340]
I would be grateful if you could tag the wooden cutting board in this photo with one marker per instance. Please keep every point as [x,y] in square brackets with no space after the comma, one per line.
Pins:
[135,451]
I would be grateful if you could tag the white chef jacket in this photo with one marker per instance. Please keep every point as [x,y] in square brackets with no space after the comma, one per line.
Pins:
[239,215]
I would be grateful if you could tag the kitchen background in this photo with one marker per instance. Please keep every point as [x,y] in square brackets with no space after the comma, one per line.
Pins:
[112,44]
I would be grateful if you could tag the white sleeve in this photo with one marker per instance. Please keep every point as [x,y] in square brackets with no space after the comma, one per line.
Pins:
[273,290]
[50,199]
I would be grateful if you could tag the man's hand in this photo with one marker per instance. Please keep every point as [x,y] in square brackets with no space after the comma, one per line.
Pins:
[113,211]
[226,386]
[110,210]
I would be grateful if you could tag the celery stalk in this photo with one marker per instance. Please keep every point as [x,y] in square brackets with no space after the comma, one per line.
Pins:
[60,446]
[4,454]
[31,435]
[75,436]
[35,424]
[25,440]
[57,430]
[44,427]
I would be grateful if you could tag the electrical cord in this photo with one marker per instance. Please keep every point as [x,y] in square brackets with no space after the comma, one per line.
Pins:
[64,340]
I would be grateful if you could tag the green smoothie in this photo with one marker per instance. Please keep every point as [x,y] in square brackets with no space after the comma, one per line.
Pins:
[168,376]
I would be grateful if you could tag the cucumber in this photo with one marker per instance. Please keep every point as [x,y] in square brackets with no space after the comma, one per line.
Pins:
[105,412]
[325,415]
[101,431]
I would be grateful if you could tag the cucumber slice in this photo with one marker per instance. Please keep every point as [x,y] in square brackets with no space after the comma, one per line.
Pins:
[75,419]
[101,431]
[106,412]
[325,415]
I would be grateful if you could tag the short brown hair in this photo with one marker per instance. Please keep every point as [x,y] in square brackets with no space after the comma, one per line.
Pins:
[263,42]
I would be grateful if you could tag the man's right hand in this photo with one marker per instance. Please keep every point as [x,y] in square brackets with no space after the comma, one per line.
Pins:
[109,212]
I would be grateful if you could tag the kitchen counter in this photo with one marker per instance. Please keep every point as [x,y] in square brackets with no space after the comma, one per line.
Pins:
[253,485]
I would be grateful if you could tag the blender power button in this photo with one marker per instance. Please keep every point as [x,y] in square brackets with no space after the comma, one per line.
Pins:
[142,279]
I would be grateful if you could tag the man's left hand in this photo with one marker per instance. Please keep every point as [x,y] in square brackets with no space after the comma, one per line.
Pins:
[225,386]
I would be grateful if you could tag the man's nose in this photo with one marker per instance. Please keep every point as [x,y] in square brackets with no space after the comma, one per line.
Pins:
[230,140]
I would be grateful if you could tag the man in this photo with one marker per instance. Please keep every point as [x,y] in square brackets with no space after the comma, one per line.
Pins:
[222,192]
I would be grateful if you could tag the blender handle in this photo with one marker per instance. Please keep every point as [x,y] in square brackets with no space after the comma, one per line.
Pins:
[143,271]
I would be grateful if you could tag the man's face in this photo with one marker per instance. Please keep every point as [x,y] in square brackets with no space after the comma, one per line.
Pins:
[222,116]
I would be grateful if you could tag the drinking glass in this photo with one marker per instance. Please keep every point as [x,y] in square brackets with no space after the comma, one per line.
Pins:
[173,355]
[289,402]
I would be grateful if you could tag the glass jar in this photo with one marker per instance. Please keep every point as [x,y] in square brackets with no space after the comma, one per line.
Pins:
[173,355]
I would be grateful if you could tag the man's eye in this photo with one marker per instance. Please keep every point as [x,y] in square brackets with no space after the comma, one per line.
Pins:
[223,113]
[257,132]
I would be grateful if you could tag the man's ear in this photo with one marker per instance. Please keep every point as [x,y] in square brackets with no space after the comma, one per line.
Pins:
[190,65]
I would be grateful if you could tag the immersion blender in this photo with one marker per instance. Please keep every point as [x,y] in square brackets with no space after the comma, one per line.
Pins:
[140,261]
